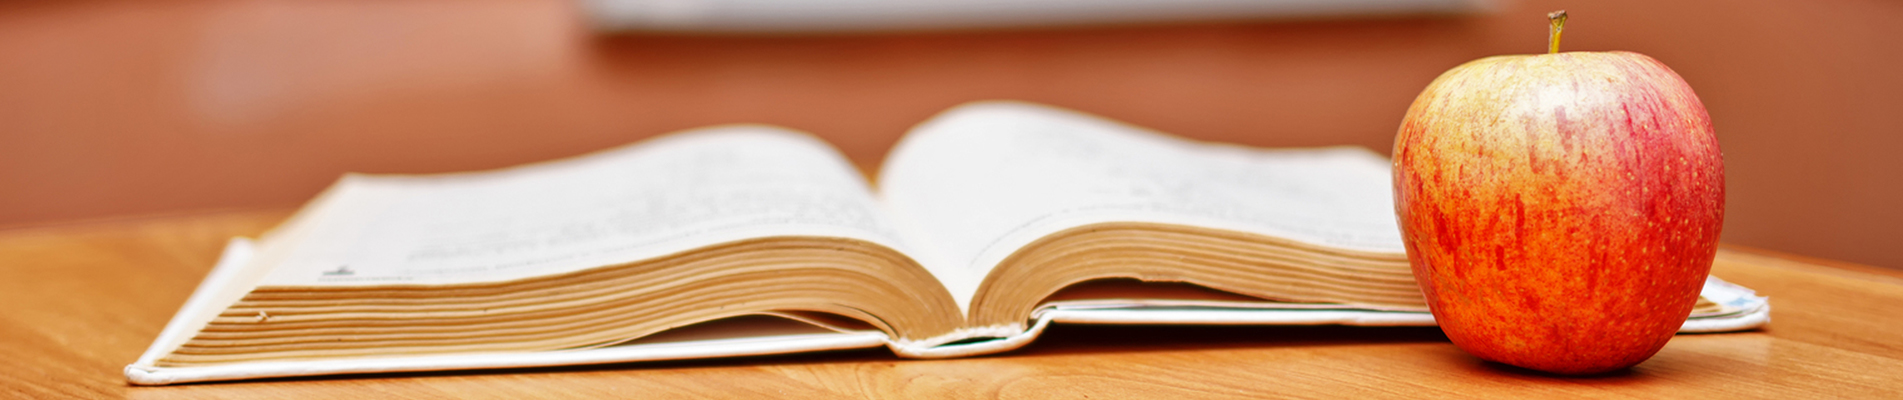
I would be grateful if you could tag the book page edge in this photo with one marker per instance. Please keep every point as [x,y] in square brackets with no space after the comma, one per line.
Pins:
[238,252]
[740,347]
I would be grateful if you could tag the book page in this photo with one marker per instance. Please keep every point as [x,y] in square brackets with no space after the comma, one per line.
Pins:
[982,180]
[662,196]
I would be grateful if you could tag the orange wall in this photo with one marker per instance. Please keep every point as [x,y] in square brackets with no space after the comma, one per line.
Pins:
[111,108]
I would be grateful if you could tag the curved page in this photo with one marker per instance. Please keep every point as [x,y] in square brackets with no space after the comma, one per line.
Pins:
[662,196]
[982,180]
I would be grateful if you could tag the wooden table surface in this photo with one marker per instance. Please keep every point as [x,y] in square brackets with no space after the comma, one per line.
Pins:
[82,300]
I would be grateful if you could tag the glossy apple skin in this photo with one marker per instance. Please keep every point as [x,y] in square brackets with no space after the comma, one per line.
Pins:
[1561,211]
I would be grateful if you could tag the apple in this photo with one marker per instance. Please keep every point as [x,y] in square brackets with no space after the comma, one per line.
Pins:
[1560,210]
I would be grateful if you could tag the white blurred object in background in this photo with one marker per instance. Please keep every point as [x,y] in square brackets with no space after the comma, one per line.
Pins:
[818,16]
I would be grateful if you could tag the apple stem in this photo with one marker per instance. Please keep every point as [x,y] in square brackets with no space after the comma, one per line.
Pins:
[1558,19]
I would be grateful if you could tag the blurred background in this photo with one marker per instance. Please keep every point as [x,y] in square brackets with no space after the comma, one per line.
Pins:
[122,109]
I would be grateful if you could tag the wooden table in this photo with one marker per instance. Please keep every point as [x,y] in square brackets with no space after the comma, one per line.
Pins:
[83,300]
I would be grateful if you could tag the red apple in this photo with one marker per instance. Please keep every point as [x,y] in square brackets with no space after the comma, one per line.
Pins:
[1560,210]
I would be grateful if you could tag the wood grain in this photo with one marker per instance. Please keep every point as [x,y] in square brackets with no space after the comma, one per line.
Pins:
[83,300]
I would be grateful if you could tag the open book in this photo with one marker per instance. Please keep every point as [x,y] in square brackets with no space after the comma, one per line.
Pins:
[989,222]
